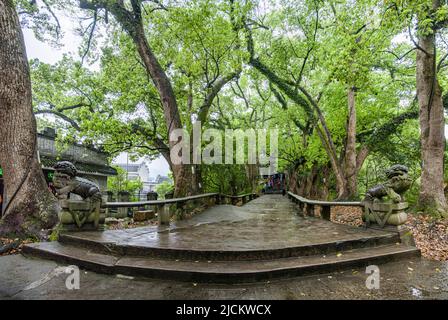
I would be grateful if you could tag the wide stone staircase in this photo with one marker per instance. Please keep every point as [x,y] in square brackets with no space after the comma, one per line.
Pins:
[264,239]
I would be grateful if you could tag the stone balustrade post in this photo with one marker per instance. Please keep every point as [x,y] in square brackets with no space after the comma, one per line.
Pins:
[163,214]
[151,196]
[326,212]
[310,210]
[123,196]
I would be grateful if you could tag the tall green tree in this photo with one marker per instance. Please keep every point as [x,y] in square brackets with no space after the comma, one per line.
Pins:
[132,17]
[432,16]
[322,57]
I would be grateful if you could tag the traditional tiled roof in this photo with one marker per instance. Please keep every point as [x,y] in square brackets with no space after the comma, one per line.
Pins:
[48,163]
[129,167]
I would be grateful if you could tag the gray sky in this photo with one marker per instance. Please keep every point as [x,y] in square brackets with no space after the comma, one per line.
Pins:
[45,52]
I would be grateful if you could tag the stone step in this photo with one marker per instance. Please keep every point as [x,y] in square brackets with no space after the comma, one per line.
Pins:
[217,271]
[173,253]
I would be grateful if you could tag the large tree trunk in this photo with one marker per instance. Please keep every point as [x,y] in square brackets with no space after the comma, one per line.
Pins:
[432,125]
[184,182]
[350,170]
[131,22]
[30,207]
[252,173]
[291,178]
[196,184]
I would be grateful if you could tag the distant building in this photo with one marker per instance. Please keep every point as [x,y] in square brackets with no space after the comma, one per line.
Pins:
[136,171]
[141,169]
[159,179]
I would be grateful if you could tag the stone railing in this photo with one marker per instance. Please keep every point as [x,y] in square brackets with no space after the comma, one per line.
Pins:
[235,200]
[307,206]
[376,212]
[163,206]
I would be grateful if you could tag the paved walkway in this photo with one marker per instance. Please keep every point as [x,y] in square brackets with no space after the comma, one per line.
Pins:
[268,222]
[22,278]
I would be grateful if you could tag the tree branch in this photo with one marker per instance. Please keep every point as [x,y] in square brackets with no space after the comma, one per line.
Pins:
[89,40]
[59,114]
[58,27]
[219,84]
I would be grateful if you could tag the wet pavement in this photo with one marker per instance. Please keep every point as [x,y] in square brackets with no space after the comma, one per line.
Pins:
[268,222]
[24,278]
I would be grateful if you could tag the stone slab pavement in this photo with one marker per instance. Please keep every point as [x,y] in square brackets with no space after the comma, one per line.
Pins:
[268,222]
[26,278]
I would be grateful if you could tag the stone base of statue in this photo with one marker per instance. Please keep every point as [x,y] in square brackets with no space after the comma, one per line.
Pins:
[80,215]
[406,236]
[385,213]
[389,217]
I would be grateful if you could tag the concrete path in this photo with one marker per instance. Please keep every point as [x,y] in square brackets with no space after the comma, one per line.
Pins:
[24,278]
[268,222]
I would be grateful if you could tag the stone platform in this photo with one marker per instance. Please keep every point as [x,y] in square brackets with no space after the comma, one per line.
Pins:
[263,239]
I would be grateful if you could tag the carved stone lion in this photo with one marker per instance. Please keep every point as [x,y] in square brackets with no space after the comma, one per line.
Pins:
[385,212]
[397,184]
[65,182]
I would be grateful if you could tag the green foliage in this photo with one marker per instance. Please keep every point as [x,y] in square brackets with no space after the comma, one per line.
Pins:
[120,182]
[226,179]
[163,188]
[54,235]
[322,48]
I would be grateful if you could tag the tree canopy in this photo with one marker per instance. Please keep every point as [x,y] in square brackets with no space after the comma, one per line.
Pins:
[336,78]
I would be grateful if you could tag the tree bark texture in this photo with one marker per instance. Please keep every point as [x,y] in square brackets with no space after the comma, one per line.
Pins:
[351,175]
[432,125]
[32,207]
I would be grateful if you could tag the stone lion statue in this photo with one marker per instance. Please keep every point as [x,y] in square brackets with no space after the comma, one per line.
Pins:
[65,182]
[398,182]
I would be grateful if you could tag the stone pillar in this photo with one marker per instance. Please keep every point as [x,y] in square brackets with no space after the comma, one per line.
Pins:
[164,214]
[123,196]
[326,212]
[110,196]
[385,213]
[169,195]
[105,196]
[151,196]
[390,217]
[310,210]
[80,210]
